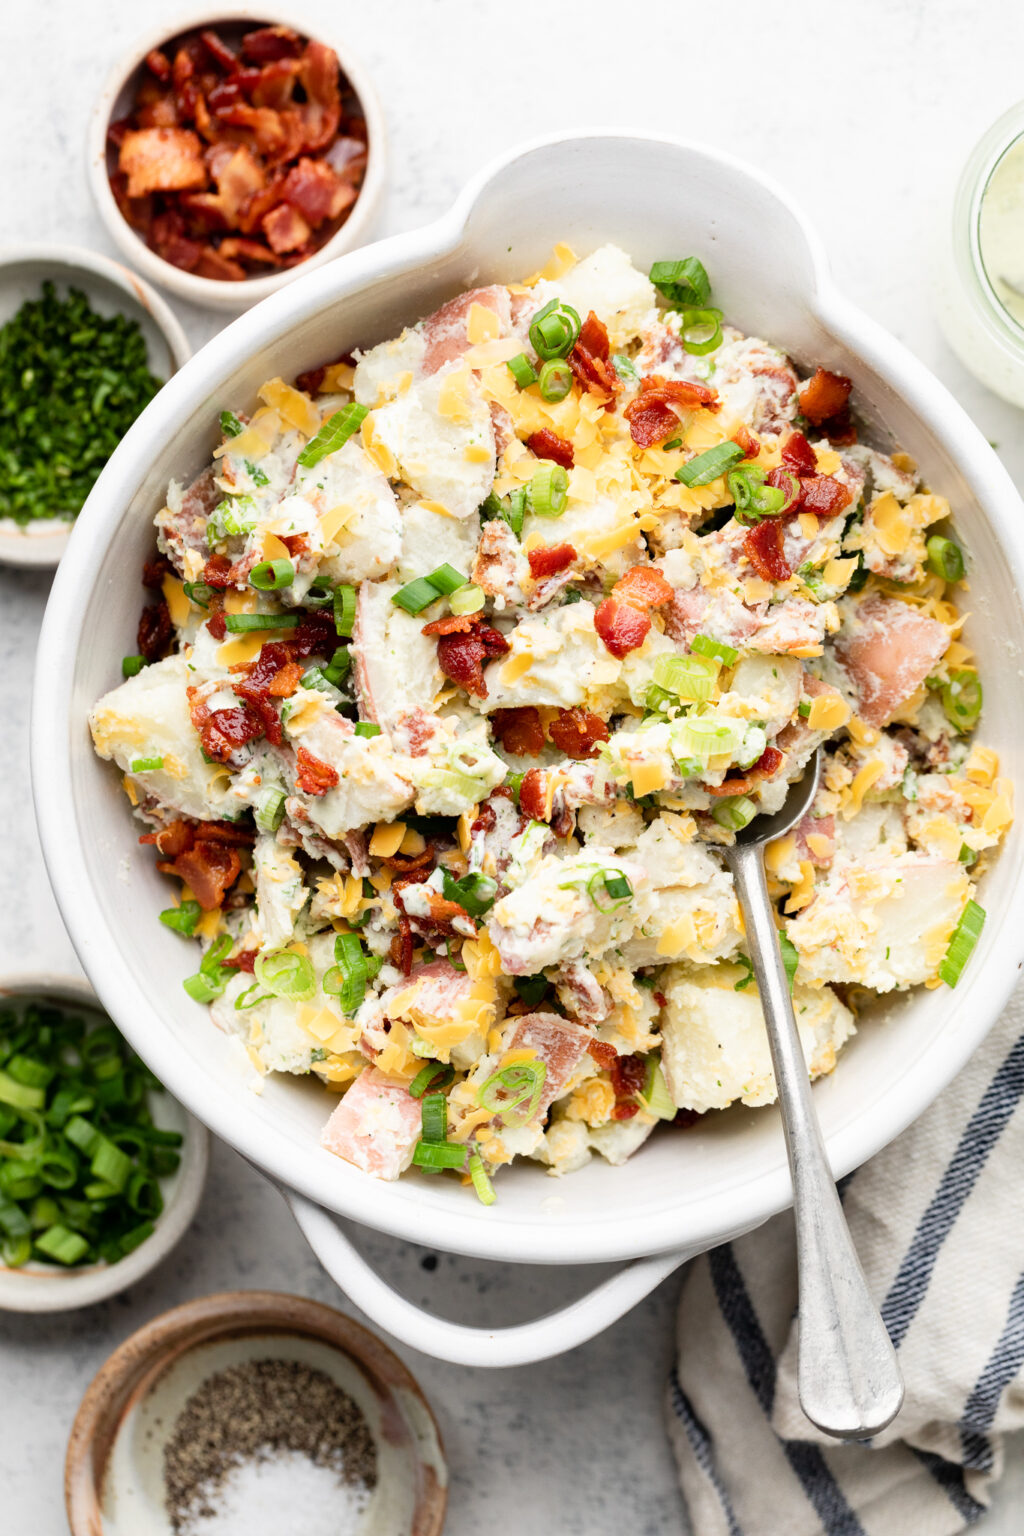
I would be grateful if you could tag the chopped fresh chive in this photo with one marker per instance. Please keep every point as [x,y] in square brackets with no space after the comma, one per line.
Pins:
[514,510]
[522,370]
[272,575]
[334,434]
[241,623]
[131,666]
[673,442]
[609,889]
[803,709]
[709,465]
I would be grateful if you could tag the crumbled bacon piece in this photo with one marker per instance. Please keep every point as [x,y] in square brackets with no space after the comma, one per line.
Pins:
[798,455]
[824,395]
[154,571]
[840,430]
[766,767]
[651,415]
[748,441]
[589,361]
[162,160]
[549,559]
[402,945]
[548,445]
[159,65]
[240,249]
[266,44]
[217,624]
[285,229]
[576,732]
[519,731]
[222,731]
[316,191]
[452,624]
[208,869]
[824,495]
[155,633]
[464,643]
[321,112]
[622,627]
[644,587]
[245,961]
[629,1074]
[313,775]
[533,794]
[605,1055]
[625,1109]
[763,547]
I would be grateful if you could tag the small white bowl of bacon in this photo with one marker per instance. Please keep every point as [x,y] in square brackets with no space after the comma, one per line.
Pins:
[235,153]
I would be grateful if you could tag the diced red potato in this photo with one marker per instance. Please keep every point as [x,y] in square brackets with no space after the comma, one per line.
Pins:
[817,828]
[186,528]
[441,989]
[558,1043]
[162,160]
[376,1126]
[581,993]
[788,626]
[504,429]
[445,330]
[499,566]
[888,649]
[396,672]
[792,625]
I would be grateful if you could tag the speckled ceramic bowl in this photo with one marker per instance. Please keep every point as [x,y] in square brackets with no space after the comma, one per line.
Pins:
[113,1475]
[110,289]
[51,1288]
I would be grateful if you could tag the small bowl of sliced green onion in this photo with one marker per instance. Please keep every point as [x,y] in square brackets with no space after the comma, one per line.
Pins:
[84,346]
[101,1171]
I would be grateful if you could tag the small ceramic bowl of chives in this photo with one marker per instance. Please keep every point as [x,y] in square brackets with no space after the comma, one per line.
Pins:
[110,289]
[40,1286]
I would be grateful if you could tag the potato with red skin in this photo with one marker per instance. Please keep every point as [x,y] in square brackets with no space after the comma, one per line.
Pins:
[888,649]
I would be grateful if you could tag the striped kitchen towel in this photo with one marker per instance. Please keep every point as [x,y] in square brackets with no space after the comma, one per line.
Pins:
[938,1220]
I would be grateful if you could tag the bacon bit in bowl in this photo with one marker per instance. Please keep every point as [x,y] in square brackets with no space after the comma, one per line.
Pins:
[243,150]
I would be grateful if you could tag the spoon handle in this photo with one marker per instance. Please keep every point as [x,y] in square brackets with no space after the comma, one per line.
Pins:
[849,1378]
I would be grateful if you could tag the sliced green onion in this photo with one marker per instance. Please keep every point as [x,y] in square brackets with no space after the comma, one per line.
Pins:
[241,623]
[654,1095]
[30,1072]
[481,1183]
[447,579]
[146,764]
[961,699]
[230,424]
[688,677]
[704,645]
[433,1076]
[198,592]
[700,330]
[944,558]
[549,491]
[532,988]
[437,1155]
[416,595]
[245,1000]
[624,368]
[682,282]
[468,599]
[269,810]
[367,728]
[555,381]
[337,669]
[131,666]
[967,855]
[609,889]
[286,974]
[803,709]
[554,330]
[60,1243]
[474,893]
[705,736]
[82,1134]
[20,1095]
[110,1164]
[709,465]
[512,1087]
[272,575]
[346,980]
[182,919]
[334,434]
[344,609]
[961,945]
[522,370]
[212,977]
[752,498]
[734,812]
[435,1117]
[515,510]
[790,957]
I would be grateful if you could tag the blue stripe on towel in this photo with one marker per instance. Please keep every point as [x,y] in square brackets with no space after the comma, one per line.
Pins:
[1003,1365]
[700,1445]
[807,1461]
[984,1129]
[950,1479]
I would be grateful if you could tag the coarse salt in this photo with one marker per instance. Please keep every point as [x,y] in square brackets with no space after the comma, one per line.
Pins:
[282,1493]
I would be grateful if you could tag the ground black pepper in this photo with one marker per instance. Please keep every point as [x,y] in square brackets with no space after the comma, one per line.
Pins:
[249,1411]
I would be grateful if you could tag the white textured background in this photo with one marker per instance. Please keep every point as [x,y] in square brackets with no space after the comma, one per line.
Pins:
[864,112]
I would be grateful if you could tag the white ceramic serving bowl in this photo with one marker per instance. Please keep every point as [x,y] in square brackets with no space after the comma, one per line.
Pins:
[110,289]
[116,99]
[48,1287]
[683,1192]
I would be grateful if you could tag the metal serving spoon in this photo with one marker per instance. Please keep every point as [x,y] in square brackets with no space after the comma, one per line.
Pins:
[849,1378]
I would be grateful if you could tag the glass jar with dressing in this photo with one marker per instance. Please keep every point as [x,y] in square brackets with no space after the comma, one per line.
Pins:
[980,278]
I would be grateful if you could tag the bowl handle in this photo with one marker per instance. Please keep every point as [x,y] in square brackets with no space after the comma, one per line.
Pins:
[519,1345]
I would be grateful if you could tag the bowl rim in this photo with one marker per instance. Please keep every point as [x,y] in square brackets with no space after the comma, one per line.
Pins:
[208,1319]
[56,1290]
[42,549]
[710,1216]
[214,293]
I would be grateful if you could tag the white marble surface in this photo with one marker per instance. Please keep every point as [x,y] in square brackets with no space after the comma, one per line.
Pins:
[576,1444]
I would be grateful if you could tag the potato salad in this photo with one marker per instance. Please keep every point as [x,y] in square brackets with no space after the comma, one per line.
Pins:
[466,653]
